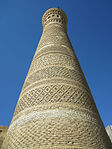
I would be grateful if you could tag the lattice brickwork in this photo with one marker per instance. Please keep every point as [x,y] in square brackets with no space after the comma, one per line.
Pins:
[55,109]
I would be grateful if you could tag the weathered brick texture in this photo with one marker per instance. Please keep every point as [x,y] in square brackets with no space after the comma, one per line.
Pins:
[55,109]
[3,131]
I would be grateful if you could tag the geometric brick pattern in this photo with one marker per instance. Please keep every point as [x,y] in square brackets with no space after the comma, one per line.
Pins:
[55,109]
[53,94]
[51,132]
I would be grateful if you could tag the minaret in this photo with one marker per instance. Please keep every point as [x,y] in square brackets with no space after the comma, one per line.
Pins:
[55,109]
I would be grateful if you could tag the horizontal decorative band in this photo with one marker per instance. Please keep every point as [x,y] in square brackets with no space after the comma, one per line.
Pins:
[54,113]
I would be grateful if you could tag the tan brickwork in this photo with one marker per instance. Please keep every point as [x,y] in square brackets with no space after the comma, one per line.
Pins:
[55,109]
[3,131]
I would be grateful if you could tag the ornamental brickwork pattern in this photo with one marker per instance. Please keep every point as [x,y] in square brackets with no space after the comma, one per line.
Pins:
[55,109]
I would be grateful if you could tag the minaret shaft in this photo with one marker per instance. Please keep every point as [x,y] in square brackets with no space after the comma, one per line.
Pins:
[55,108]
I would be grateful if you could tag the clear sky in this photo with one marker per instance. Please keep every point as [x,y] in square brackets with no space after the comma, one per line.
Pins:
[90,31]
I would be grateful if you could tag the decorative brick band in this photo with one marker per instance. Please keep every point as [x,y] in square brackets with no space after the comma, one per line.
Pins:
[55,109]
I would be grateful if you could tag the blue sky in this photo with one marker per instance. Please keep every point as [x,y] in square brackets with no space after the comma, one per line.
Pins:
[90,31]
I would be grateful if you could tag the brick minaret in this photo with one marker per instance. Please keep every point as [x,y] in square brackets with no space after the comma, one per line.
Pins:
[55,109]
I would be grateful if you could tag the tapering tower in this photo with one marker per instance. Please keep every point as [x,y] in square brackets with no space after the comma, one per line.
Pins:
[55,109]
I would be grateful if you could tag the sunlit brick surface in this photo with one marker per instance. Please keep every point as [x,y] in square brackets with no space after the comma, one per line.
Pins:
[56,109]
